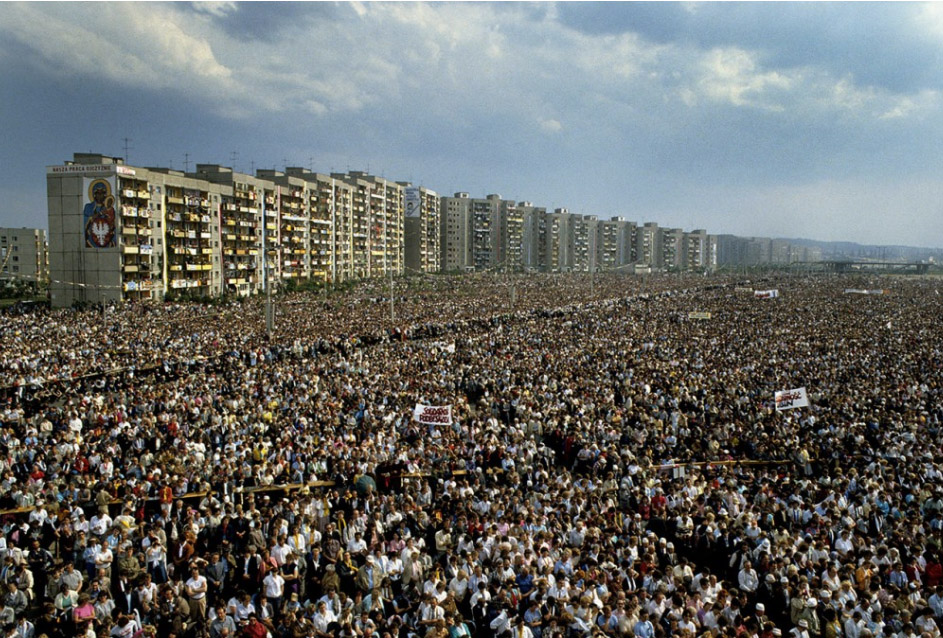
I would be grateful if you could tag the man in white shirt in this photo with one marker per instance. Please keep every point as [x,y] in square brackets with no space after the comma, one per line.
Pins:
[196,587]
[748,579]
[323,617]
[430,613]
[357,545]
[100,523]
[274,586]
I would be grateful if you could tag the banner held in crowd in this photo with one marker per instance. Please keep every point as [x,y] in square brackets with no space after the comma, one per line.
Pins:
[766,294]
[433,414]
[789,399]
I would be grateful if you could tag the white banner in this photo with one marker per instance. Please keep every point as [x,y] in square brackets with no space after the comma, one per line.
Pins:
[766,294]
[789,399]
[433,414]
[413,202]
[861,291]
[699,315]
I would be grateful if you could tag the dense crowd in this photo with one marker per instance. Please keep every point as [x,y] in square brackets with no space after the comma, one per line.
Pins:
[613,466]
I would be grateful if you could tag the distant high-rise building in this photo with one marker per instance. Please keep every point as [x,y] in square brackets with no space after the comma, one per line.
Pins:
[456,244]
[648,245]
[615,244]
[24,255]
[533,224]
[700,250]
[422,229]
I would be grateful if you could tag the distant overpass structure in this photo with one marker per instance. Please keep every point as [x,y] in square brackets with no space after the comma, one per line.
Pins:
[870,267]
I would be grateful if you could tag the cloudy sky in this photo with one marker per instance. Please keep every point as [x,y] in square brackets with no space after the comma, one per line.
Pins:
[818,120]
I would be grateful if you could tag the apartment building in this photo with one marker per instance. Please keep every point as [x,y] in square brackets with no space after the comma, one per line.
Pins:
[672,248]
[585,249]
[244,236]
[421,228]
[126,233]
[130,233]
[615,243]
[376,224]
[560,240]
[700,250]
[648,245]
[456,233]
[533,227]
[24,255]
[329,204]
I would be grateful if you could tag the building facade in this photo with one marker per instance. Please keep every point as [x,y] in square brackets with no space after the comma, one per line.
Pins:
[24,255]
[421,228]
[125,233]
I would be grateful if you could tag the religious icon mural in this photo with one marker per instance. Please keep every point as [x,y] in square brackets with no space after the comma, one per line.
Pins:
[99,213]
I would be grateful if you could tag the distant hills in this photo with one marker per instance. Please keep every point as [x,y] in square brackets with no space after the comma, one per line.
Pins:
[832,250]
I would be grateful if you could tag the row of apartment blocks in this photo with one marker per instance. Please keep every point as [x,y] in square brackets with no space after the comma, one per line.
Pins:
[498,234]
[492,233]
[118,232]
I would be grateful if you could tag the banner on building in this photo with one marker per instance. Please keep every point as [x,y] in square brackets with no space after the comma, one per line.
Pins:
[413,202]
[98,216]
[193,198]
[699,315]
[789,399]
[433,414]
[766,294]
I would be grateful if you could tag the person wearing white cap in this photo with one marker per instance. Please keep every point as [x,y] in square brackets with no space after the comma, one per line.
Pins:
[810,616]
[760,613]
[370,575]
[801,630]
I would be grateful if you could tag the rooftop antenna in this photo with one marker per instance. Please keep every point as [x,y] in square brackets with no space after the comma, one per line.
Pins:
[311,164]
[285,164]
[232,159]
[186,162]
[252,165]
[127,147]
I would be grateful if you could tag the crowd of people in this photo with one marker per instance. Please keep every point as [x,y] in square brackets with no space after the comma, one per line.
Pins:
[612,465]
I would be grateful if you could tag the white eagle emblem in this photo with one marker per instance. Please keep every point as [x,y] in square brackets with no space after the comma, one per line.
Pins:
[101,231]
